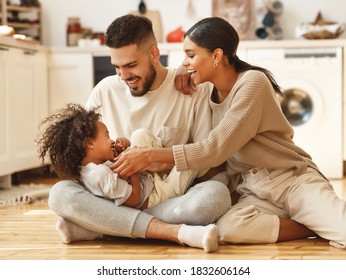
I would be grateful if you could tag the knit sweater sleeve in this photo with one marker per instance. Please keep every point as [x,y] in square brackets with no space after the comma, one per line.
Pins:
[238,126]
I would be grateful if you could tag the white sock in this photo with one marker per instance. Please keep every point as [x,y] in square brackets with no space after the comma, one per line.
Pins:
[205,237]
[70,232]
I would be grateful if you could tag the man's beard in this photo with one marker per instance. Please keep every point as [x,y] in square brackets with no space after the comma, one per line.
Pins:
[148,82]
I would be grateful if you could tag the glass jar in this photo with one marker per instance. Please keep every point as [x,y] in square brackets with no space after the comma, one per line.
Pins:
[74,31]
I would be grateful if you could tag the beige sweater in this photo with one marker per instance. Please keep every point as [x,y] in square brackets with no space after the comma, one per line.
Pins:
[250,131]
[173,117]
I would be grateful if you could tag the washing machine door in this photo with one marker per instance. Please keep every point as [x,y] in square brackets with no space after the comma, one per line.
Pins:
[297,106]
[301,103]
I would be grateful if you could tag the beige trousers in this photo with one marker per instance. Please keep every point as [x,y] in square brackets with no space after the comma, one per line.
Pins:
[308,199]
[165,186]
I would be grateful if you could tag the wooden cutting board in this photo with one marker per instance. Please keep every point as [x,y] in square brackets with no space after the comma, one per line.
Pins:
[155,18]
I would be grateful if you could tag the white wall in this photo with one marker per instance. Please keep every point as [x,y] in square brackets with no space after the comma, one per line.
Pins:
[98,14]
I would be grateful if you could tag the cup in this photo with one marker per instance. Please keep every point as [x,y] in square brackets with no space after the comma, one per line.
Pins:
[277,32]
[277,8]
[261,32]
[269,19]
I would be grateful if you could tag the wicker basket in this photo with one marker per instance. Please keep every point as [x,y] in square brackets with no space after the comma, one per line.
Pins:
[324,34]
[320,29]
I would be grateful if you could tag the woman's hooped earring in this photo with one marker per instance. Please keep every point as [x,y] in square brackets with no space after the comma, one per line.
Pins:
[215,64]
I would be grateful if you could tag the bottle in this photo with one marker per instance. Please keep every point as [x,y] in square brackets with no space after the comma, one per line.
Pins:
[74,31]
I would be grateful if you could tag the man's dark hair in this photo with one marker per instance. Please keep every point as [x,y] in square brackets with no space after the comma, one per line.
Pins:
[130,29]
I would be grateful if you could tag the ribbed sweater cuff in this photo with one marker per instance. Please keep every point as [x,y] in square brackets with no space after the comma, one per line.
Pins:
[179,158]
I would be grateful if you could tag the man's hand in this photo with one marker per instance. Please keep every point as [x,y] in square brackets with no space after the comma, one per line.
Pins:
[183,81]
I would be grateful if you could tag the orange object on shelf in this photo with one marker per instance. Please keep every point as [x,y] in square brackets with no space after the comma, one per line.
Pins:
[176,36]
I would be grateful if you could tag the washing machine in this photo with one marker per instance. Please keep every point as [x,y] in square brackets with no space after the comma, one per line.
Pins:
[312,101]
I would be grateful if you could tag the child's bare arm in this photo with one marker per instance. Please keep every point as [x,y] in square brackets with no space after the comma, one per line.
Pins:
[134,198]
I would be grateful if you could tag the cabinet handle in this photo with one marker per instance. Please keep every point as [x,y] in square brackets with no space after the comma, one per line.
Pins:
[4,49]
[29,52]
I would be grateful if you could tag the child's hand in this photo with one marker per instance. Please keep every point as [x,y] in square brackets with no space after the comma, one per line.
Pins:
[121,144]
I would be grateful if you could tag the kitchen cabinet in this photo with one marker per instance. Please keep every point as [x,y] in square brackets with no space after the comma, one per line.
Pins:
[70,78]
[25,20]
[24,90]
[344,107]
[5,157]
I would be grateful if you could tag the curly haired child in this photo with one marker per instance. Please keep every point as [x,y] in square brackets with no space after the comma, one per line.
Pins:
[79,147]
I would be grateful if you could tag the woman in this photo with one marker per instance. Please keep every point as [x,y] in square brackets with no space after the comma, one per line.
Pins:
[283,195]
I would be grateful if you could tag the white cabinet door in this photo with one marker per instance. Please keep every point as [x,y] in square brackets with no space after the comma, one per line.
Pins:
[70,78]
[28,105]
[24,103]
[5,156]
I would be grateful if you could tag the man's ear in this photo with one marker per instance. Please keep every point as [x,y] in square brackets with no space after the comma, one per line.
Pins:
[155,53]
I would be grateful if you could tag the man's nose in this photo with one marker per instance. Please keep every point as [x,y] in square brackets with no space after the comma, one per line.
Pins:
[123,74]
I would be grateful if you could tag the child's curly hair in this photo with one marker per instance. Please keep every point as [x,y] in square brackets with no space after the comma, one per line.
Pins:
[65,137]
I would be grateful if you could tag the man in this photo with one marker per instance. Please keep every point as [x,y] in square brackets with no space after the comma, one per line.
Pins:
[143,95]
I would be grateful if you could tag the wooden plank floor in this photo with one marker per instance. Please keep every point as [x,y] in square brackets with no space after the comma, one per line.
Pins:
[28,232]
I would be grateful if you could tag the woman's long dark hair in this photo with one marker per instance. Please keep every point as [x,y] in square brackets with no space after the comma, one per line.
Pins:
[214,32]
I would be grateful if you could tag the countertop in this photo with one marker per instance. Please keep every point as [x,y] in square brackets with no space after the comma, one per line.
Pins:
[22,44]
[165,47]
[299,43]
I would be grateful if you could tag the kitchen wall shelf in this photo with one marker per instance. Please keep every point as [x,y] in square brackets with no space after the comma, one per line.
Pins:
[25,20]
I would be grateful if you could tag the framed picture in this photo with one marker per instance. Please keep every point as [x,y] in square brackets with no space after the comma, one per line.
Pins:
[238,13]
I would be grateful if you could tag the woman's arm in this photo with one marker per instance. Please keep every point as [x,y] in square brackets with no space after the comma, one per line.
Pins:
[135,197]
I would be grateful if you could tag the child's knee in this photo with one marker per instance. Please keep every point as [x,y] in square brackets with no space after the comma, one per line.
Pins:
[142,137]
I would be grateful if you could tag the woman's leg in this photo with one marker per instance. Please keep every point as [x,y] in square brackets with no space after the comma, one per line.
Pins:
[251,220]
[313,202]
[292,230]
[260,215]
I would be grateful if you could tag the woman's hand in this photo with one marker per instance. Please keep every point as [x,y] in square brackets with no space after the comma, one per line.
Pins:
[183,81]
[136,160]
[131,161]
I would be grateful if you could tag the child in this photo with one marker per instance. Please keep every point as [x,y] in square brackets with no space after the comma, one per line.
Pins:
[79,147]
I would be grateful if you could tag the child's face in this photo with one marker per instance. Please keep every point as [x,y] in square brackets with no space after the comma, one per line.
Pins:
[104,148]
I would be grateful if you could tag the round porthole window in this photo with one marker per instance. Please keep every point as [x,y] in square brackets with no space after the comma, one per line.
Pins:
[297,106]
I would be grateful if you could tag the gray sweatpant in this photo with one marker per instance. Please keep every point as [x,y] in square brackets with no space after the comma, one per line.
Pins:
[202,204]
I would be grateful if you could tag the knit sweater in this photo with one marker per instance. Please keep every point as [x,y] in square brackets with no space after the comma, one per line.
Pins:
[172,116]
[249,131]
